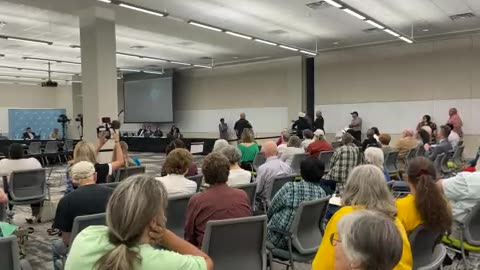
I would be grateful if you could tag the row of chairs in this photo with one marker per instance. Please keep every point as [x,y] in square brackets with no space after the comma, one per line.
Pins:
[51,151]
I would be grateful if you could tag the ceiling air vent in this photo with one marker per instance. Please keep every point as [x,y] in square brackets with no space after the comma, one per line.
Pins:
[371,30]
[206,58]
[462,16]
[318,5]
[277,32]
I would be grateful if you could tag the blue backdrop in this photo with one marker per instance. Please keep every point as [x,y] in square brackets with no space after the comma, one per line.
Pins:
[42,121]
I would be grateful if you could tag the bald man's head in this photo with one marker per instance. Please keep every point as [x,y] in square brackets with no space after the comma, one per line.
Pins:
[269,149]
[242,115]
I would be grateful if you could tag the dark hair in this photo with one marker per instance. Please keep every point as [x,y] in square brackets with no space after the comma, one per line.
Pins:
[428,118]
[424,135]
[307,134]
[370,133]
[215,169]
[450,126]
[376,131]
[429,200]
[222,119]
[178,161]
[28,128]
[177,143]
[15,151]
[312,169]
[445,130]
[385,138]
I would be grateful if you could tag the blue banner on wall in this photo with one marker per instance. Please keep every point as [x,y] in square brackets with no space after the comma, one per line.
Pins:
[42,122]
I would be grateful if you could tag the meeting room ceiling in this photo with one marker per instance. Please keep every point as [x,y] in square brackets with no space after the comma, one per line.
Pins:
[307,25]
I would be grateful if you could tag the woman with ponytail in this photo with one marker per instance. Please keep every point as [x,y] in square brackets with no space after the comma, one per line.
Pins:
[426,204]
[135,225]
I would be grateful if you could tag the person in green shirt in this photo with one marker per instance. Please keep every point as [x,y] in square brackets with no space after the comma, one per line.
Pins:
[249,149]
[135,228]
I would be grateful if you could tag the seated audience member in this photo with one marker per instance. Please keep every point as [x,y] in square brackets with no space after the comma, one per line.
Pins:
[218,202]
[366,240]
[463,192]
[285,138]
[87,199]
[249,149]
[443,145]
[423,138]
[177,143]
[29,134]
[158,132]
[370,141]
[294,147]
[375,156]
[426,204]
[344,159]
[128,161]
[272,168]
[176,166]
[3,197]
[356,142]
[85,151]
[237,176]
[174,133]
[307,138]
[290,196]
[384,140]
[366,189]
[17,162]
[219,145]
[453,138]
[280,139]
[405,144]
[55,135]
[136,217]
[429,126]
[319,144]
[376,133]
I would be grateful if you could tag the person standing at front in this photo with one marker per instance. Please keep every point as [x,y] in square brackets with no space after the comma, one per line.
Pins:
[223,129]
[356,126]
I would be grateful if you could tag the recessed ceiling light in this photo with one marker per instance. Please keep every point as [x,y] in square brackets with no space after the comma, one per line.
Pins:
[425,30]
[235,57]
[336,43]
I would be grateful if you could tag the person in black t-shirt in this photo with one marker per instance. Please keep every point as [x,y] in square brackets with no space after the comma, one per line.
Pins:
[301,124]
[87,199]
[370,141]
[319,122]
[240,125]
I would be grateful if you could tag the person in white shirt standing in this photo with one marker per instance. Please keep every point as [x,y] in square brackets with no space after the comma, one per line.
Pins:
[237,175]
[176,166]
[453,138]
[17,162]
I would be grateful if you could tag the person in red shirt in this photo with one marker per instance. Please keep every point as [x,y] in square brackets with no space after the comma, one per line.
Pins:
[319,144]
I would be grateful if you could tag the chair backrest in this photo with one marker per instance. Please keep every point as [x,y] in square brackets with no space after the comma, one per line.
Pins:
[197,179]
[444,162]
[306,225]
[422,243]
[278,183]
[250,189]
[297,159]
[82,222]
[28,185]
[458,154]
[336,144]
[9,255]
[123,173]
[472,226]
[177,206]
[35,148]
[421,151]
[3,211]
[237,244]
[391,162]
[258,160]
[412,153]
[51,147]
[438,257]
[437,163]
[113,185]
[325,157]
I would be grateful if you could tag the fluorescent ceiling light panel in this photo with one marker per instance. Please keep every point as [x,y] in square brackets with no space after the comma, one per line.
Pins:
[153,72]
[238,35]
[288,48]
[307,52]
[205,26]
[130,70]
[180,63]
[391,33]
[406,39]
[354,14]
[202,66]
[51,60]
[265,42]
[333,3]
[105,1]
[27,40]
[148,11]
[377,25]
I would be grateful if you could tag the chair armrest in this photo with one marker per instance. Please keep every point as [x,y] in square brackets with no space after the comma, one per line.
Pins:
[282,232]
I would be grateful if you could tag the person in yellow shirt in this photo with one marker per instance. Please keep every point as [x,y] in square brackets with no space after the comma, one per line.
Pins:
[426,204]
[366,189]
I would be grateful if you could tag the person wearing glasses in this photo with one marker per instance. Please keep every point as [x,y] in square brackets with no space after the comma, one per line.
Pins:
[366,189]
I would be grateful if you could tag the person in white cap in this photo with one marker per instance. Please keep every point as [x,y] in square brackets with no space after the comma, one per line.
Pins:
[301,124]
[319,144]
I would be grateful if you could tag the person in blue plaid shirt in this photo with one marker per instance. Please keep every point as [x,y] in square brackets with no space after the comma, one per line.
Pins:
[345,158]
[290,196]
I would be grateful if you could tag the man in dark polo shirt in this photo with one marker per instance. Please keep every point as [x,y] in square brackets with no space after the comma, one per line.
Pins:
[240,125]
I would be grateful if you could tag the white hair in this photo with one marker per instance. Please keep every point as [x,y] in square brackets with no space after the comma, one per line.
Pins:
[374,156]
[219,145]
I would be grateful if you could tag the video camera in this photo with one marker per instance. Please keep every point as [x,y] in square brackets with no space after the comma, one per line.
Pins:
[107,126]
[63,119]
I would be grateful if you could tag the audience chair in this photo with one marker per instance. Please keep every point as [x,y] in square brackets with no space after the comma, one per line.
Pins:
[82,222]
[177,206]
[457,158]
[421,151]
[278,183]
[9,255]
[27,187]
[304,235]
[423,242]
[325,157]
[297,159]
[68,149]
[437,163]
[258,160]
[51,151]
[250,189]
[438,256]
[35,150]
[113,185]
[391,164]
[197,179]
[469,235]
[412,153]
[3,211]
[399,189]
[123,173]
[237,244]
[336,144]
[444,169]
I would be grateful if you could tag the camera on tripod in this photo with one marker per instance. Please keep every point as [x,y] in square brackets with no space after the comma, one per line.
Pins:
[63,119]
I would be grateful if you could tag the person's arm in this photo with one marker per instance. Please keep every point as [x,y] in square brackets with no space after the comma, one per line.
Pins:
[66,238]
[3,197]
[454,188]
[119,160]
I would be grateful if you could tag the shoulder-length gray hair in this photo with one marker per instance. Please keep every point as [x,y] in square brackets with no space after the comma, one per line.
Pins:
[374,156]
[366,187]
